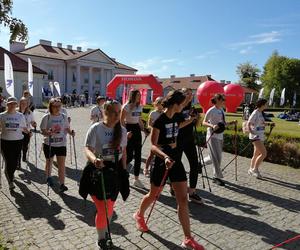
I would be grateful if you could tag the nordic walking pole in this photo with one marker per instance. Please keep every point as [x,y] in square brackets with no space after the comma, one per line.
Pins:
[35,148]
[157,195]
[235,149]
[49,169]
[75,155]
[205,170]
[109,242]
[70,150]
[1,160]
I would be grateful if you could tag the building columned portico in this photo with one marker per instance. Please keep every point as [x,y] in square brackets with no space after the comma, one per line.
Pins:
[76,70]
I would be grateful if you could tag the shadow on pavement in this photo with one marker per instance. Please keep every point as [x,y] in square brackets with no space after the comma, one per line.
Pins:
[32,205]
[281,183]
[288,204]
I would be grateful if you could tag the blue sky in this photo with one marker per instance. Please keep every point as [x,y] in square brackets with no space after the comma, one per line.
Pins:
[166,37]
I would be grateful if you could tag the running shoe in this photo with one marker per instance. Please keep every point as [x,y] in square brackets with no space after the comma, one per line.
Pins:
[50,181]
[63,188]
[137,183]
[255,172]
[104,244]
[194,197]
[140,222]
[190,243]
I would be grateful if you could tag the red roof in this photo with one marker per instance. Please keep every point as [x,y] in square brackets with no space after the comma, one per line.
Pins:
[192,82]
[18,63]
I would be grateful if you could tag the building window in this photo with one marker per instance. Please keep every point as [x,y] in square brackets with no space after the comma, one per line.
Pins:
[50,74]
[98,78]
[73,77]
[86,78]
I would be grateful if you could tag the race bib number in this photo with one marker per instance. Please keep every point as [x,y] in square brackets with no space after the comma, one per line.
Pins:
[10,126]
[136,113]
[56,139]
[169,130]
[108,152]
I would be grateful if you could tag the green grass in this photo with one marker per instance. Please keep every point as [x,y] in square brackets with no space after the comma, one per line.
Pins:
[282,128]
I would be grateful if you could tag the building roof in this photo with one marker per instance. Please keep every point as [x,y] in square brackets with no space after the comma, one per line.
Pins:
[192,82]
[19,65]
[65,54]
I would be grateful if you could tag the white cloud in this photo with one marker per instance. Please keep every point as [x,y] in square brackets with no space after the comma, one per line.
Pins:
[246,50]
[83,42]
[207,54]
[154,65]
[262,38]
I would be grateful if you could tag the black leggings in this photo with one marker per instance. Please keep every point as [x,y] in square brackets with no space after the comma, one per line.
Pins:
[25,144]
[190,151]
[134,147]
[11,152]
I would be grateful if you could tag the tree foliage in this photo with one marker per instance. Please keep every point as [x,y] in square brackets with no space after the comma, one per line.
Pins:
[18,30]
[282,72]
[248,74]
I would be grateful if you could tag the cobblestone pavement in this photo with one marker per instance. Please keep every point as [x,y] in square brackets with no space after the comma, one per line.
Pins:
[246,214]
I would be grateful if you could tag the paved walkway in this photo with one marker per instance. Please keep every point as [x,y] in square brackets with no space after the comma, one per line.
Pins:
[246,214]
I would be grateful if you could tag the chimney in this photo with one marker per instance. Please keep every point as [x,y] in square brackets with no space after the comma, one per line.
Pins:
[192,75]
[222,81]
[172,76]
[45,42]
[16,47]
[228,82]
[69,47]
[209,76]
[59,45]
[89,49]
[79,49]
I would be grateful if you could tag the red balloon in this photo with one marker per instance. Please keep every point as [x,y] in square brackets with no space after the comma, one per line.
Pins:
[206,91]
[234,94]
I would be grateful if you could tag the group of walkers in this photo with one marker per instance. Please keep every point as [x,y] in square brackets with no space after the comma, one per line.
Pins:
[114,139]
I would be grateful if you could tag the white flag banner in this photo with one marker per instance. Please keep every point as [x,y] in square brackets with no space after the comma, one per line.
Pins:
[57,87]
[9,76]
[282,97]
[51,88]
[30,77]
[295,99]
[251,98]
[261,93]
[271,99]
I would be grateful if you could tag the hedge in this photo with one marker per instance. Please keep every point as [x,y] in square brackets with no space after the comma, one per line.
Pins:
[281,150]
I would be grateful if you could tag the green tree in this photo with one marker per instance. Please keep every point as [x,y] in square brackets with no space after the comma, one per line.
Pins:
[18,30]
[281,72]
[248,74]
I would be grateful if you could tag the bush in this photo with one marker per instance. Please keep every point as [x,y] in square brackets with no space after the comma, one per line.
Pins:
[281,150]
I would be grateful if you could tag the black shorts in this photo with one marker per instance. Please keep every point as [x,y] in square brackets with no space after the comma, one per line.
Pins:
[58,151]
[176,173]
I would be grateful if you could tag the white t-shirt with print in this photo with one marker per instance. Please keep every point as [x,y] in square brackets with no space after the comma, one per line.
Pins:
[214,116]
[100,138]
[12,126]
[133,115]
[153,116]
[96,114]
[29,118]
[59,125]
[257,120]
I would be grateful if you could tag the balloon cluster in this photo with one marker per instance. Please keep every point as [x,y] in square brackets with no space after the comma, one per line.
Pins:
[234,95]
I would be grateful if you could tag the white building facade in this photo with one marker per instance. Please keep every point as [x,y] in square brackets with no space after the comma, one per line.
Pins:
[76,70]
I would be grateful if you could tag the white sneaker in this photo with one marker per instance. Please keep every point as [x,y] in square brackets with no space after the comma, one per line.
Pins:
[255,173]
[138,184]
[207,160]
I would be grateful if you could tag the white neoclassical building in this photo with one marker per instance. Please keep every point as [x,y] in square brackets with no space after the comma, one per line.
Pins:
[74,69]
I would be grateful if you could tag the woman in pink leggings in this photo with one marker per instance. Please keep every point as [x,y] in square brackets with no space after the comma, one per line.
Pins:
[105,149]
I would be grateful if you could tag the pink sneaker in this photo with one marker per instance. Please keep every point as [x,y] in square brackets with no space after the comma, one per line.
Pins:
[190,243]
[140,222]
